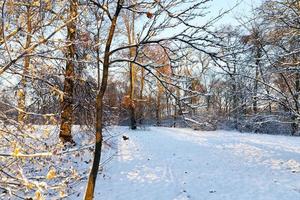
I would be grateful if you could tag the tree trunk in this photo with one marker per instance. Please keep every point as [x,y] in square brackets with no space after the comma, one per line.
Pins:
[133,125]
[89,194]
[129,24]
[257,67]
[167,105]
[235,104]
[141,110]
[193,98]
[67,101]
[157,113]
[235,98]
[158,103]
[22,89]
[295,124]
[176,104]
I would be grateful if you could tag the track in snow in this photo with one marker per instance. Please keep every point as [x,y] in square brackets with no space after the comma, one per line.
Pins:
[180,164]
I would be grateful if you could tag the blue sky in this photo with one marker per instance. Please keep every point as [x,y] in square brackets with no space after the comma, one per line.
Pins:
[243,9]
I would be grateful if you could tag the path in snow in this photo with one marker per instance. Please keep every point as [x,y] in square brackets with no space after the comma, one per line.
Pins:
[179,164]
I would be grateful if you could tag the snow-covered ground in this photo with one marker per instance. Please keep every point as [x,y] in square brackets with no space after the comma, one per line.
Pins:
[179,164]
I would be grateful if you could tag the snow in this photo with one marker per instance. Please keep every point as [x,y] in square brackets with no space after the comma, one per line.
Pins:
[181,164]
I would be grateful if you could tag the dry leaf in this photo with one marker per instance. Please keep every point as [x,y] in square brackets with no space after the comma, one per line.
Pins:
[149,15]
[51,174]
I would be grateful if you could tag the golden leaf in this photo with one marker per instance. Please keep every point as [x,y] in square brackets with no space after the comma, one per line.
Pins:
[39,196]
[36,3]
[51,174]
[62,194]
[46,132]
[16,152]
[72,30]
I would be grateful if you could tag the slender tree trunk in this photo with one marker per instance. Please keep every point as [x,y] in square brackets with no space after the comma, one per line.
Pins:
[133,125]
[129,23]
[235,98]
[295,124]
[235,104]
[22,90]
[158,104]
[167,104]
[193,99]
[98,63]
[142,80]
[157,113]
[67,102]
[89,194]
[175,114]
[175,106]
[141,110]
[255,92]
[257,67]
[208,102]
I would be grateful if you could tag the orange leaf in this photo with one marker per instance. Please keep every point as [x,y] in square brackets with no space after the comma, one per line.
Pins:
[149,15]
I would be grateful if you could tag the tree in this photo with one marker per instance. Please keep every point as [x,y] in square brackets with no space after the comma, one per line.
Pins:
[22,89]
[67,101]
[129,21]
[282,51]
[99,104]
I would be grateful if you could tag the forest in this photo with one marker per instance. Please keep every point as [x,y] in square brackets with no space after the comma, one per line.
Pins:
[82,82]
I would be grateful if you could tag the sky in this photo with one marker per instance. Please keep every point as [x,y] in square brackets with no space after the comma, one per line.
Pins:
[243,9]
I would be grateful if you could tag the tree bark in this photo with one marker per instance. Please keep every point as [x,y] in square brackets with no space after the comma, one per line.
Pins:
[133,125]
[129,23]
[67,101]
[158,103]
[22,89]
[141,110]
